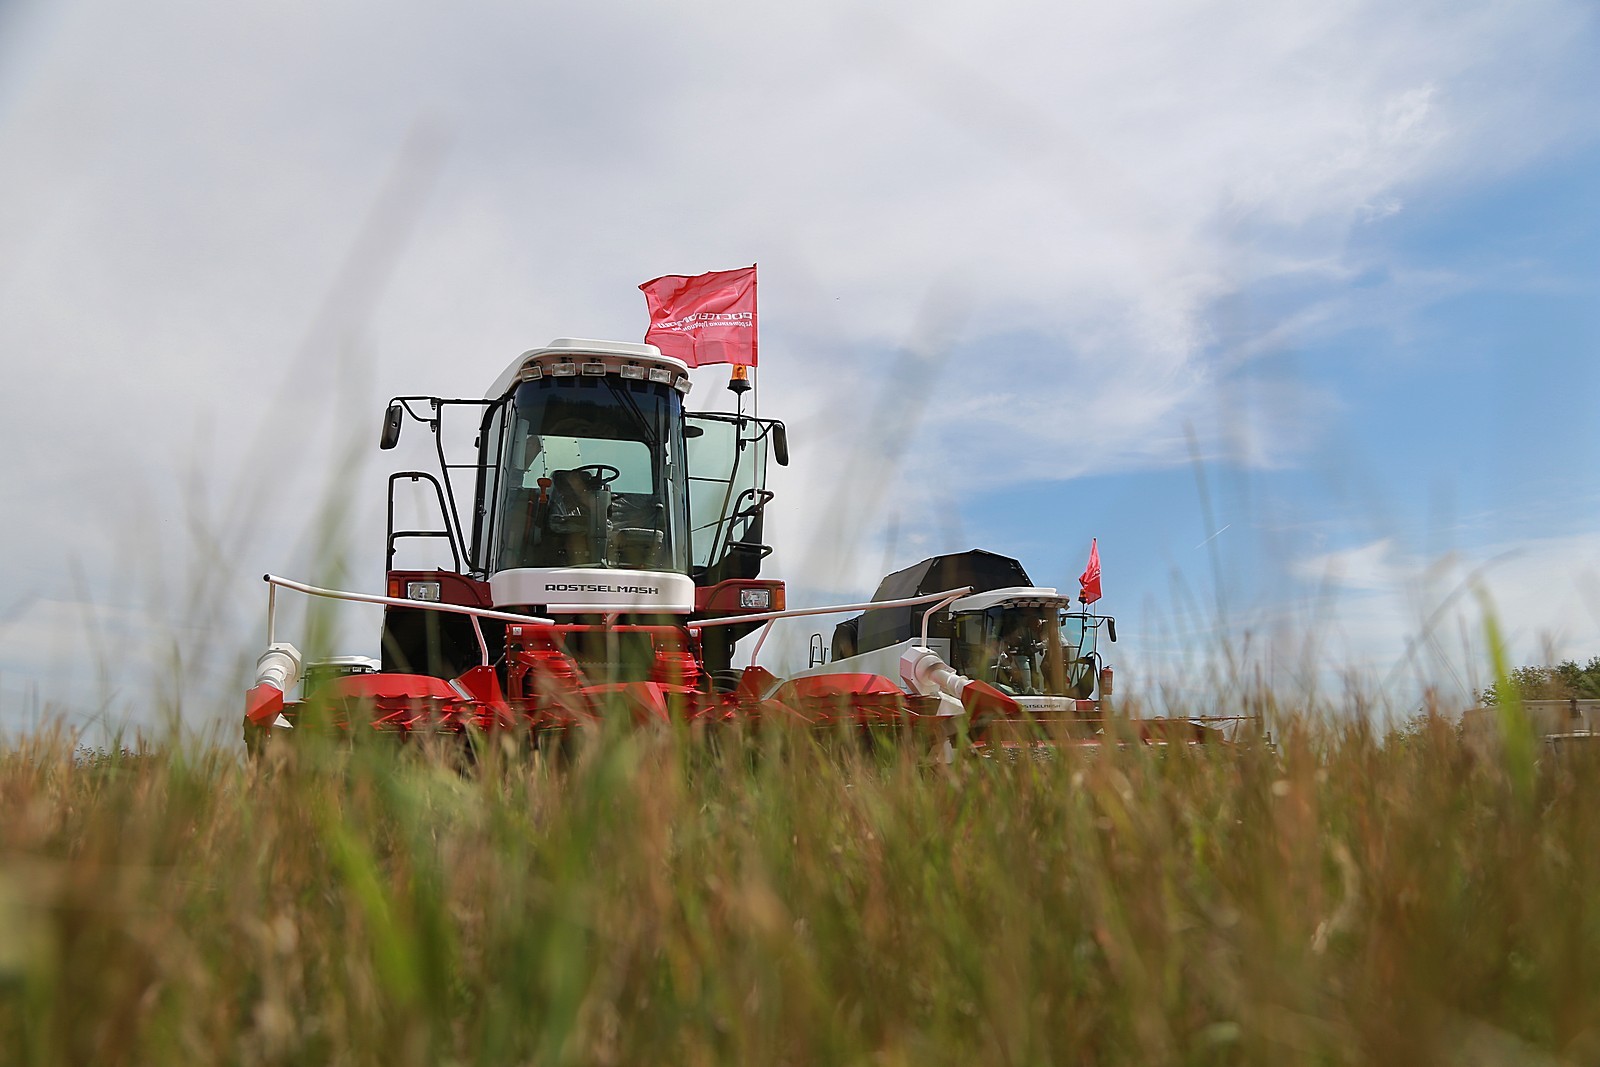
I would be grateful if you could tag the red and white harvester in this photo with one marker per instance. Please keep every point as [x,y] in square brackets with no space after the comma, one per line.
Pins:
[1032,643]
[609,563]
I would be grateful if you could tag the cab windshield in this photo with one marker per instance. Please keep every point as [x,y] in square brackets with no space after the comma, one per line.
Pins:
[592,476]
[1029,651]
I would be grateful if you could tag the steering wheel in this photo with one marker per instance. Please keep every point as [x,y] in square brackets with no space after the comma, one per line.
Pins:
[604,473]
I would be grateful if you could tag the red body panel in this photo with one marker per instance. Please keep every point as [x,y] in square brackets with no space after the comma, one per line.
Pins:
[262,704]
[453,588]
[723,598]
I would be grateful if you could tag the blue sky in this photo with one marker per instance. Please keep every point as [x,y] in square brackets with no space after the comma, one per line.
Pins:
[1446,385]
[1013,284]
[1458,417]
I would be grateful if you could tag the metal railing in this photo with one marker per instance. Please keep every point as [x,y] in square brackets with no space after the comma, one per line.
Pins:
[274,582]
[938,600]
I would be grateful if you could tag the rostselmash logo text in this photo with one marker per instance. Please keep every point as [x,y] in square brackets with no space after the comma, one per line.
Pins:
[737,319]
[580,588]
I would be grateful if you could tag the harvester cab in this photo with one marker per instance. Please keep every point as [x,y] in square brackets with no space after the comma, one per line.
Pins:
[598,502]
[1029,643]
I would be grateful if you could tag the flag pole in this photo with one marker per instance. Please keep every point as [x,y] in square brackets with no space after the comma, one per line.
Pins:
[755,342]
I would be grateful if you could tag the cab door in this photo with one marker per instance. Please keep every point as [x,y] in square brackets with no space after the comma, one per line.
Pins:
[727,463]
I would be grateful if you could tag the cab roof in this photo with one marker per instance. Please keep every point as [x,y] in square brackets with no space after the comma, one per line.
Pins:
[574,349]
[976,567]
[1017,596]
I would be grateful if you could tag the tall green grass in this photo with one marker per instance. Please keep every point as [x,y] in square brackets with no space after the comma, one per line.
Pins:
[1339,898]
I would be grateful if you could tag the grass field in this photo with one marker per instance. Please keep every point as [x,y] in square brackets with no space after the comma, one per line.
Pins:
[1339,897]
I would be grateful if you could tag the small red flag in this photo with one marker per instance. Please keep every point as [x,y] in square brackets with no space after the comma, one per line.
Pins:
[1089,580]
[710,318]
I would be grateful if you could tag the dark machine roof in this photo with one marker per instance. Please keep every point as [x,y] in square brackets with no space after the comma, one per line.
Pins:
[977,568]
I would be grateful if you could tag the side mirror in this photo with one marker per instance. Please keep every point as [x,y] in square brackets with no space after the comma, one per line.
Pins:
[391,426]
[1111,628]
[780,444]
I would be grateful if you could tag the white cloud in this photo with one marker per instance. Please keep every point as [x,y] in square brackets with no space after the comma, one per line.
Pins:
[1399,620]
[1364,567]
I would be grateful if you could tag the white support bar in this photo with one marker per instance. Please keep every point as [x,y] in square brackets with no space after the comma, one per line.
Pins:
[871,605]
[940,606]
[770,617]
[398,602]
[765,630]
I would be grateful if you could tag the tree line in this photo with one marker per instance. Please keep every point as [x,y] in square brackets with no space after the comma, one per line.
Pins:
[1563,681]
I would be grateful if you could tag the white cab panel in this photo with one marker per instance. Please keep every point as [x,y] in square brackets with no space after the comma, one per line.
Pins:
[588,590]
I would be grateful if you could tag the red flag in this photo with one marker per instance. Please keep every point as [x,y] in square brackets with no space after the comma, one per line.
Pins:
[1089,580]
[710,318]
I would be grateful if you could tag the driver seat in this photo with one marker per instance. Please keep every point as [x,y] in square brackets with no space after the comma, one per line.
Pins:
[580,509]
